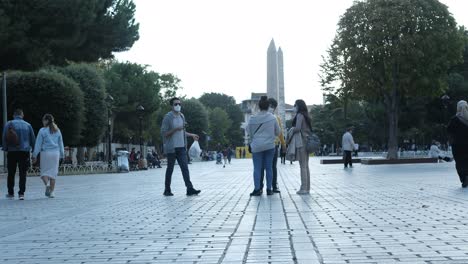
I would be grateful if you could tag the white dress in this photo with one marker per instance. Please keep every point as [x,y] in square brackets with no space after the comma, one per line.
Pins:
[51,148]
[50,163]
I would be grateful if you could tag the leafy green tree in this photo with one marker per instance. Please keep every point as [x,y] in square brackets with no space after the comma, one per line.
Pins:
[228,104]
[391,50]
[44,92]
[42,32]
[130,85]
[219,126]
[91,82]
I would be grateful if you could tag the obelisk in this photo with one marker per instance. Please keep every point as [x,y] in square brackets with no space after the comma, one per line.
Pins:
[281,100]
[272,71]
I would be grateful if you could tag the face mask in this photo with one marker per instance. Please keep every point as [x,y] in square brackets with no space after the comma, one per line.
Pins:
[177,108]
[271,110]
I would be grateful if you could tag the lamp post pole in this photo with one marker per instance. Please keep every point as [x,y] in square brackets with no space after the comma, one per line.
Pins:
[140,110]
[109,101]
[445,101]
[5,115]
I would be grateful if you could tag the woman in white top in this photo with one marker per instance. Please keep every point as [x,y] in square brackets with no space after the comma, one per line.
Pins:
[49,143]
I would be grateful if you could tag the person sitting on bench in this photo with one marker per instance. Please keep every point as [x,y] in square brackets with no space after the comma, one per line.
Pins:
[435,152]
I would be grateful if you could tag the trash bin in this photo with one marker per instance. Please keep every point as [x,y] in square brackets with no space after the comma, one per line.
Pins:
[122,161]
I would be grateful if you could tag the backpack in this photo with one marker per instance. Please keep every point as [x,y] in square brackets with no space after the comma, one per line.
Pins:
[12,138]
[313,143]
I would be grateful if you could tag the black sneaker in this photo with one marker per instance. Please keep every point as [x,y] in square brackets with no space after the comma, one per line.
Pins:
[168,193]
[256,193]
[270,192]
[192,191]
[276,190]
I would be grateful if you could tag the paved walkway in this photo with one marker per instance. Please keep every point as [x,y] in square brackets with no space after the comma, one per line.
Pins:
[369,214]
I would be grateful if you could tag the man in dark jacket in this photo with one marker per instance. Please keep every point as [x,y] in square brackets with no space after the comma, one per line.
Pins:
[18,141]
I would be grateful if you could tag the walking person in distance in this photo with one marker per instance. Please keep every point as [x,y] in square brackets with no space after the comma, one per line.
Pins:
[348,147]
[175,146]
[301,129]
[49,144]
[18,141]
[263,129]
[458,130]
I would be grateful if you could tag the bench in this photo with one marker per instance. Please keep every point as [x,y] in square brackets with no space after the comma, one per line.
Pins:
[398,161]
[337,161]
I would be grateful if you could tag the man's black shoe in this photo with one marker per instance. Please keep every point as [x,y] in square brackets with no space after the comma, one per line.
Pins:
[192,191]
[168,193]
[270,192]
[276,191]
[256,193]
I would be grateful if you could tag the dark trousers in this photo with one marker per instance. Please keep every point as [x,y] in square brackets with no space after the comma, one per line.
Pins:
[17,159]
[348,159]
[181,156]
[275,172]
[460,154]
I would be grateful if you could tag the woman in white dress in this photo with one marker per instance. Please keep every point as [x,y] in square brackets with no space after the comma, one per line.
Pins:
[49,143]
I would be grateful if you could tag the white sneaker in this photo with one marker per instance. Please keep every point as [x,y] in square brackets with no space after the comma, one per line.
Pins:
[52,194]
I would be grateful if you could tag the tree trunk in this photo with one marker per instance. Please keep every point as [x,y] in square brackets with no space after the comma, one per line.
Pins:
[392,134]
[80,157]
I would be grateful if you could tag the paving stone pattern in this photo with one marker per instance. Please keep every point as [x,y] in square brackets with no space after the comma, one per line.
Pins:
[369,214]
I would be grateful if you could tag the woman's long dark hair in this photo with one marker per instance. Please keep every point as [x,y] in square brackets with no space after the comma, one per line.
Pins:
[50,123]
[302,109]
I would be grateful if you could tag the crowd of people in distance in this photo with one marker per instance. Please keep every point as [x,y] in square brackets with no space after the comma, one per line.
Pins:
[267,144]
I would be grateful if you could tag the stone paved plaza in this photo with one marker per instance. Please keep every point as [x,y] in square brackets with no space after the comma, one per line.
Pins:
[369,214]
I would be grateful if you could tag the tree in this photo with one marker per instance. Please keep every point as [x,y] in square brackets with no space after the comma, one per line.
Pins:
[130,85]
[391,50]
[92,85]
[44,92]
[42,32]
[219,126]
[196,117]
[228,104]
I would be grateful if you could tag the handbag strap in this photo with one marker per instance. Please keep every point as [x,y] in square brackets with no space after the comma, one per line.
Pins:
[257,129]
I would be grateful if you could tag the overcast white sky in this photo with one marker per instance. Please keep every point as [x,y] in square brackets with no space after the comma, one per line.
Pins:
[221,45]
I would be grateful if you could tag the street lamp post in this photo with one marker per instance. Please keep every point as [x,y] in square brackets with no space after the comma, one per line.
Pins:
[5,115]
[109,101]
[140,111]
[445,101]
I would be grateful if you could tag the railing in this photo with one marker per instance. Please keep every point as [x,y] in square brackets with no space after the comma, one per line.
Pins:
[95,168]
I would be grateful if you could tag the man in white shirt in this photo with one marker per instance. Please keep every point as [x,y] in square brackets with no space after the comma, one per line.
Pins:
[348,147]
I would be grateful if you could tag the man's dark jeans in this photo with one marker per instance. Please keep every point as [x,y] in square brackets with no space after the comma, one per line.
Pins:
[17,159]
[348,158]
[275,171]
[181,156]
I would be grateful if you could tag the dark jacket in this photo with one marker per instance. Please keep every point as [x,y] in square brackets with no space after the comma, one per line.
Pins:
[458,132]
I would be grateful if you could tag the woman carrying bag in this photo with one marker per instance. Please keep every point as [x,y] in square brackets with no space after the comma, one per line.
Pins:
[49,144]
[299,133]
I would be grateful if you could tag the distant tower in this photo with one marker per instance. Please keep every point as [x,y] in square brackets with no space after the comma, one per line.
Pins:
[281,101]
[272,71]
[275,79]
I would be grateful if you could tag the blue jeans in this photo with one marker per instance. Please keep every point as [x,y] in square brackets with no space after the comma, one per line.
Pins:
[263,160]
[181,156]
